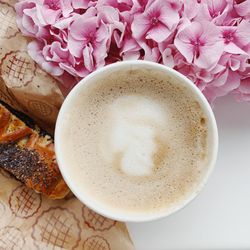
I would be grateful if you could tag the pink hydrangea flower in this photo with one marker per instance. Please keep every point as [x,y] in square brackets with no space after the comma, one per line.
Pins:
[236,37]
[41,55]
[30,19]
[216,11]
[206,40]
[88,39]
[157,22]
[200,44]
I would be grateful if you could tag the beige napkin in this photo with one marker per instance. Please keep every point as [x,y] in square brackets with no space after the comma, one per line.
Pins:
[29,220]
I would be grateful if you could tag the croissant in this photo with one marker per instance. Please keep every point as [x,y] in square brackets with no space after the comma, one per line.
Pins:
[27,152]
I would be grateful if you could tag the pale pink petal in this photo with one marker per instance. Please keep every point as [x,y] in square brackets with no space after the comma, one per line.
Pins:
[191,31]
[185,48]
[210,33]
[75,46]
[218,69]
[243,32]
[66,7]
[102,34]
[58,51]
[81,4]
[168,16]
[108,14]
[131,55]
[167,58]
[234,64]
[20,6]
[88,58]
[158,33]
[100,53]
[140,25]
[47,16]
[82,27]
[202,13]
[209,55]
[35,51]
[234,49]
[151,54]
[52,68]
[243,8]
[63,23]
[205,75]
[130,45]
[190,9]
[27,26]
[233,82]
[78,70]
[221,79]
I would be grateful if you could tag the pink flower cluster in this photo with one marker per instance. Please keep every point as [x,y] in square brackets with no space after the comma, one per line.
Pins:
[206,40]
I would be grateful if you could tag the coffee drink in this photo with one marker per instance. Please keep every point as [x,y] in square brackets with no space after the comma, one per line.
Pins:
[136,141]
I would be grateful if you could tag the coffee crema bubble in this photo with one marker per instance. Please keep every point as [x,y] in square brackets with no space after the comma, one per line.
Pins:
[136,142]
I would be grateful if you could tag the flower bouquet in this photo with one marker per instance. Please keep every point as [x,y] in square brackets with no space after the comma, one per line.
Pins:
[206,40]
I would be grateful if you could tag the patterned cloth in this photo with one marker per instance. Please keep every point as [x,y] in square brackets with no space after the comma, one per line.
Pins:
[29,220]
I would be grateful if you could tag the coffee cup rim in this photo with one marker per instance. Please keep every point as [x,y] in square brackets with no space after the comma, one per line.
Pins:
[129,217]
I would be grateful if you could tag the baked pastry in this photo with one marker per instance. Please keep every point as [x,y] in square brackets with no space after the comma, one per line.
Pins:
[27,152]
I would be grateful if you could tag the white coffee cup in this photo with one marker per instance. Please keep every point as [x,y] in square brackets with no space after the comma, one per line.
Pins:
[104,72]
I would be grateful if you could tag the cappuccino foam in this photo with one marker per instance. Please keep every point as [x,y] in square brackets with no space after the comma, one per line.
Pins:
[136,142]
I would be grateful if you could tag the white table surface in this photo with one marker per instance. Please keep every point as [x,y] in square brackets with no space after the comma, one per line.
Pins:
[219,218]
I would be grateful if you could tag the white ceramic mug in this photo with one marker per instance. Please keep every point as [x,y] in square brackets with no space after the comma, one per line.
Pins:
[135,65]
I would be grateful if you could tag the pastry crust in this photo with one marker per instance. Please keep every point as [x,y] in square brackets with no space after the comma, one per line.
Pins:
[27,152]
